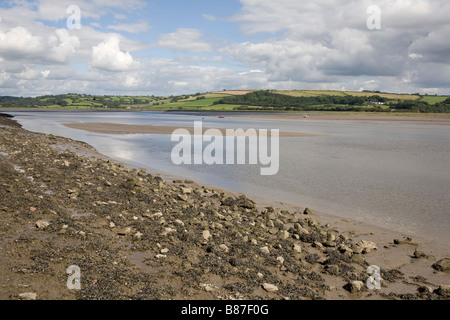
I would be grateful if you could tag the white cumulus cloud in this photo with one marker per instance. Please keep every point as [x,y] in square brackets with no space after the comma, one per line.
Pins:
[108,56]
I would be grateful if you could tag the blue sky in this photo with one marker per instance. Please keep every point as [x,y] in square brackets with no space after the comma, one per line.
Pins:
[165,47]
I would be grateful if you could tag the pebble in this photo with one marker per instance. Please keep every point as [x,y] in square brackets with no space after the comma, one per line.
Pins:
[264,250]
[42,224]
[354,286]
[297,248]
[224,247]
[206,234]
[28,296]
[270,287]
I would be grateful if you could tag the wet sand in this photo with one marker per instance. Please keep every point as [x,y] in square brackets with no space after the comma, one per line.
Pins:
[113,128]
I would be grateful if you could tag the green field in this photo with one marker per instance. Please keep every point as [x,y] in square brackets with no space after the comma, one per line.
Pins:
[315,93]
[434,99]
[272,101]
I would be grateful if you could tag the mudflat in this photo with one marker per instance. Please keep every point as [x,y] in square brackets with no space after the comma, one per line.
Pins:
[114,128]
[135,235]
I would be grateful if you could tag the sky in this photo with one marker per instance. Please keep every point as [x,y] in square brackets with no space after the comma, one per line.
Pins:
[174,47]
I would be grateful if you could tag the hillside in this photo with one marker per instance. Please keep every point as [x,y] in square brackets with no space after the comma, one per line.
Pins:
[240,100]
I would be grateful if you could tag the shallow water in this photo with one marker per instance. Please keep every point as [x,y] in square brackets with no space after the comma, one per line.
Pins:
[391,174]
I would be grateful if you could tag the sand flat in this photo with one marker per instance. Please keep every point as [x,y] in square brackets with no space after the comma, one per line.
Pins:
[113,128]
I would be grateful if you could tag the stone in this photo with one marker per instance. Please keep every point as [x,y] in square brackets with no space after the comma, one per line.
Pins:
[308,211]
[182,197]
[167,231]
[443,290]
[366,246]
[280,259]
[354,286]
[419,254]
[297,248]
[442,265]
[28,296]
[425,289]
[264,250]
[138,235]
[407,240]
[42,224]
[358,258]
[165,250]
[270,287]
[186,190]
[317,244]
[206,234]
[124,232]
[224,248]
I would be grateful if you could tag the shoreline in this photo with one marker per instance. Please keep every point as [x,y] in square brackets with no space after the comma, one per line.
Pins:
[236,227]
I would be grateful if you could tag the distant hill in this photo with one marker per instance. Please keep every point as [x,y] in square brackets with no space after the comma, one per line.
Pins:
[242,100]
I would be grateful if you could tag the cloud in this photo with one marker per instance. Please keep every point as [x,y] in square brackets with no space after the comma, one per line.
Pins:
[142,26]
[107,56]
[186,40]
[19,43]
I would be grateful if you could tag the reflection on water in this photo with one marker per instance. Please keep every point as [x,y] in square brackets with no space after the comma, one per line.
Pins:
[388,173]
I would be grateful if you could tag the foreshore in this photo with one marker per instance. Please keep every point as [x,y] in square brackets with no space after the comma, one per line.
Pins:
[135,235]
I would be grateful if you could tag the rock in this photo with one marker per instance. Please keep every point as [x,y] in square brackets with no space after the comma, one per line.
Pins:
[112,225]
[28,296]
[160,256]
[332,269]
[206,234]
[425,289]
[443,290]
[317,244]
[42,224]
[224,248]
[167,231]
[186,190]
[270,287]
[297,248]
[124,232]
[354,286]
[366,246]
[264,250]
[419,254]
[312,223]
[284,234]
[407,240]
[442,265]
[358,258]
[260,275]
[179,222]
[345,249]
[280,259]
[308,211]
[165,250]
[182,197]
[138,235]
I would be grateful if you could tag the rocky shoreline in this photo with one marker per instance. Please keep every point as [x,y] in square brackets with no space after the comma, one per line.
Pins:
[136,236]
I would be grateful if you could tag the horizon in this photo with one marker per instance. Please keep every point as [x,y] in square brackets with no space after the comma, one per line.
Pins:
[164,48]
